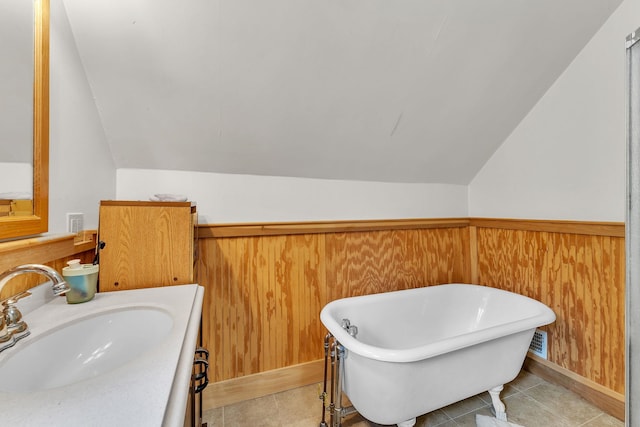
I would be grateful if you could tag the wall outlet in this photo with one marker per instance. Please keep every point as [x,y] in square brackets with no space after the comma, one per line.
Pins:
[75,222]
[538,344]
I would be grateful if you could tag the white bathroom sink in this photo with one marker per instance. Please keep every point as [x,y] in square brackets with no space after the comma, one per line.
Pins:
[122,359]
[84,348]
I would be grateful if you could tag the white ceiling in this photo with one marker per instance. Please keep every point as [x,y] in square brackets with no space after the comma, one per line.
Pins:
[377,90]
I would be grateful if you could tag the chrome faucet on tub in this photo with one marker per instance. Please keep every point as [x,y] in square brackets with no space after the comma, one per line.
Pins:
[12,327]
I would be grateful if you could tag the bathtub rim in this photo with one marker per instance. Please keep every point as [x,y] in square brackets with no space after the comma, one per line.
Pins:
[544,316]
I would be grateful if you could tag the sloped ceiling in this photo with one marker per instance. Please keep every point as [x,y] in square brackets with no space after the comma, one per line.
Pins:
[379,90]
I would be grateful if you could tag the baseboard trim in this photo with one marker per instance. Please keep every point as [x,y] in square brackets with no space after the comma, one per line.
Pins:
[257,385]
[609,401]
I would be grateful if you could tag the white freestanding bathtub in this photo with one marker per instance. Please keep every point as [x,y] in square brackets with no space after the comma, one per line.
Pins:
[421,349]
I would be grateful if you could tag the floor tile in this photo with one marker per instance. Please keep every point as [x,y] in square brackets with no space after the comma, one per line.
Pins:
[530,402]
[432,419]
[524,410]
[450,423]
[564,403]
[464,407]
[357,420]
[213,417]
[604,420]
[469,420]
[298,403]
[509,390]
[256,412]
[525,380]
[303,422]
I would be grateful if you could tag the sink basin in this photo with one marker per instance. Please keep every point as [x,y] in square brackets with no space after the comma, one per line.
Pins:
[84,348]
[124,358]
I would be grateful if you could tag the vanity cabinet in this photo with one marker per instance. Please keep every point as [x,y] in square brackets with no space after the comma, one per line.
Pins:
[147,244]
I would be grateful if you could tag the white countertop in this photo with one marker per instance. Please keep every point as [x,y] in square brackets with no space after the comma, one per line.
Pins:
[151,390]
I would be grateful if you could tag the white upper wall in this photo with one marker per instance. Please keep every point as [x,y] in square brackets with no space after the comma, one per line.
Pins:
[566,159]
[81,168]
[228,198]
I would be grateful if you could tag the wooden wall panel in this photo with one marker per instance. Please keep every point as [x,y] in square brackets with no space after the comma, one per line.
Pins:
[581,277]
[264,294]
[372,262]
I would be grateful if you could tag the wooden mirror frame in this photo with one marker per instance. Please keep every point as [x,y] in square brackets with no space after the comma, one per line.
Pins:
[18,226]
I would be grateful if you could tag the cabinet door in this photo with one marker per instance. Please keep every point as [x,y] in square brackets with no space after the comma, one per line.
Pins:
[145,246]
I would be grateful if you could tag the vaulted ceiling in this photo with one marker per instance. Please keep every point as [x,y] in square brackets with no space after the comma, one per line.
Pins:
[379,90]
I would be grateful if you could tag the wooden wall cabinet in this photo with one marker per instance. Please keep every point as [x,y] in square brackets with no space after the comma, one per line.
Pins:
[147,244]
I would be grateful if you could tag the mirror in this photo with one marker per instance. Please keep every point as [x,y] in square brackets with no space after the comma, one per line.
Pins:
[33,219]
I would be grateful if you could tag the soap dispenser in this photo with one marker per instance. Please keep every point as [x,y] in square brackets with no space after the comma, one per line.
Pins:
[82,279]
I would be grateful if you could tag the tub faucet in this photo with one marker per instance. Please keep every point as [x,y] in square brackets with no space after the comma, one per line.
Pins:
[12,327]
[351,329]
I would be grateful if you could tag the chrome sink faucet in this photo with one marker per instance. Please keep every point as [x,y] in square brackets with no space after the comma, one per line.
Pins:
[12,327]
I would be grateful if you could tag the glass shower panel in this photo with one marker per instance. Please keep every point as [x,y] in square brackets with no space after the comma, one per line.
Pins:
[632,395]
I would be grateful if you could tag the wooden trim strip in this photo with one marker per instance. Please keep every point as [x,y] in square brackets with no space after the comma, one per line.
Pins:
[38,222]
[41,115]
[611,229]
[236,390]
[286,228]
[187,204]
[591,228]
[37,250]
[609,401]
[85,241]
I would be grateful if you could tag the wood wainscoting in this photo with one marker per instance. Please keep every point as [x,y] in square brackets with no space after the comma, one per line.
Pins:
[264,293]
[581,277]
[577,269]
[266,284]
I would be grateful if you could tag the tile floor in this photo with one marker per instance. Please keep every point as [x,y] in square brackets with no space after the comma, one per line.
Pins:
[530,401]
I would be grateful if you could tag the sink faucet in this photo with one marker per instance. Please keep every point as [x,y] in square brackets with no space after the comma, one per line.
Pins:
[12,328]
[58,283]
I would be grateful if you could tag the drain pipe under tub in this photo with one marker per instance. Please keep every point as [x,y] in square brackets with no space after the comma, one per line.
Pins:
[337,379]
[323,396]
[337,411]
[334,350]
[332,404]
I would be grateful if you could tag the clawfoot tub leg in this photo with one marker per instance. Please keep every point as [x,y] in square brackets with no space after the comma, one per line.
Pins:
[408,423]
[499,407]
